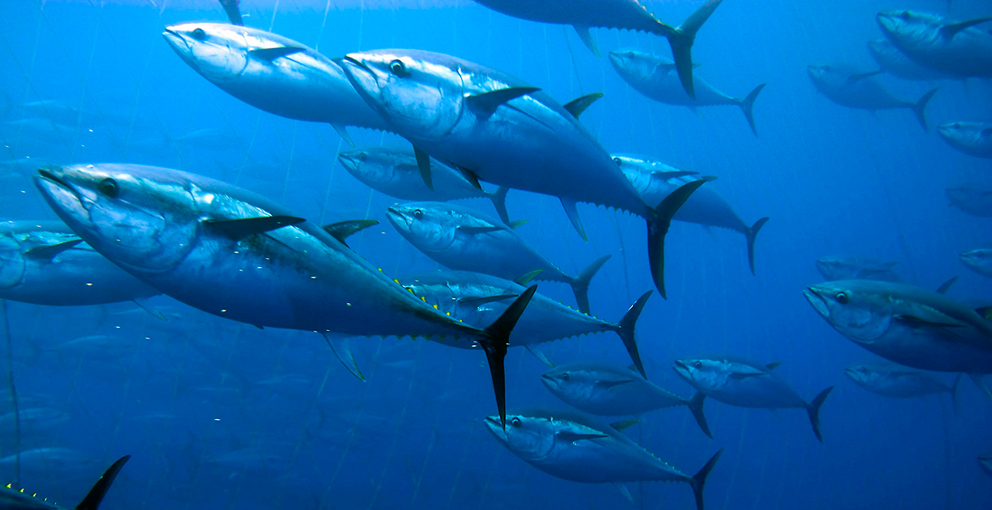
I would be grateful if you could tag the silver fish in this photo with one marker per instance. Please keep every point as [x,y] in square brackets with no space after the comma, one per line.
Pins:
[853,89]
[979,260]
[11,499]
[899,382]
[974,198]
[972,138]
[846,267]
[957,47]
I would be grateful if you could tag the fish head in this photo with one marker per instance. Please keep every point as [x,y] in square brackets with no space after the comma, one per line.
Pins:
[416,92]
[377,165]
[138,217]
[529,437]
[633,63]
[978,259]
[861,374]
[965,133]
[857,309]
[908,28]
[12,263]
[704,374]
[217,51]
[828,76]
[883,51]
[429,228]
[570,383]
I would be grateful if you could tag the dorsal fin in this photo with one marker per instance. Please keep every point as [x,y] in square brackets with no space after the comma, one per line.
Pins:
[579,105]
[773,366]
[620,425]
[243,227]
[485,104]
[951,30]
[861,76]
[342,229]
[49,251]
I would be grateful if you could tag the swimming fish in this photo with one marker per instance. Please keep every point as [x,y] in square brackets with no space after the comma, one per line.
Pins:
[853,89]
[972,138]
[974,198]
[898,382]
[11,499]
[979,260]
[847,267]
[893,61]
[958,47]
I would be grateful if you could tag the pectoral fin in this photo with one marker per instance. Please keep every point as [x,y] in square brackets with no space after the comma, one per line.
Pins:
[923,317]
[479,230]
[740,376]
[611,384]
[861,76]
[479,301]
[539,354]
[574,437]
[949,31]
[49,251]
[244,227]
[946,286]
[343,133]
[271,54]
[485,104]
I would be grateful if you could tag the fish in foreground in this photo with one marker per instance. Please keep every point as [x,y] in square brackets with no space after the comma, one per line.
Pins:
[572,447]
[11,499]
[972,138]
[655,180]
[622,14]
[477,298]
[893,61]
[854,89]
[656,78]
[906,324]
[607,390]
[974,198]
[846,267]
[497,128]
[979,260]
[395,173]
[272,73]
[237,255]
[960,48]
[463,239]
[899,382]
[748,384]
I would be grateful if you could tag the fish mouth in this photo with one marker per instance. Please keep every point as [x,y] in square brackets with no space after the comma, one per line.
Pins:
[886,20]
[495,426]
[52,185]
[398,219]
[815,298]
[945,130]
[175,39]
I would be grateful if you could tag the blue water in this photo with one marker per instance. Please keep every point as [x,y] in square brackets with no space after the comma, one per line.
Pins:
[219,414]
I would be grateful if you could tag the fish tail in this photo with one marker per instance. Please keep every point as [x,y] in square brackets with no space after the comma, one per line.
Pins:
[580,284]
[747,106]
[696,408]
[752,233]
[814,411]
[495,340]
[954,393]
[681,39]
[100,488]
[499,202]
[919,108]
[699,479]
[626,331]
[658,224]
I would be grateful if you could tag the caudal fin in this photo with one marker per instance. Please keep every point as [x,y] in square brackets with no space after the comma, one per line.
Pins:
[920,108]
[580,284]
[696,408]
[658,227]
[747,106]
[499,202]
[626,331]
[700,479]
[100,488]
[752,233]
[496,338]
[814,411]
[681,40]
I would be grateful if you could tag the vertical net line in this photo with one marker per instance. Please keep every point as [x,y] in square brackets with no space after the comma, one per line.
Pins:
[13,393]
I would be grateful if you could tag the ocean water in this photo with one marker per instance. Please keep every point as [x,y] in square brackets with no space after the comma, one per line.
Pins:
[217,414]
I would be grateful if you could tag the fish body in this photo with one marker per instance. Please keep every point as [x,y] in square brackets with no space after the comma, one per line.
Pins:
[961,48]
[845,267]
[985,463]
[11,499]
[893,61]
[972,138]
[45,263]
[906,324]
[860,90]
[895,381]
[974,198]
[979,260]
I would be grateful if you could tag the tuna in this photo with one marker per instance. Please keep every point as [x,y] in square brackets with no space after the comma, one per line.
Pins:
[961,48]
[898,382]
[845,267]
[979,260]
[972,138]
[853,89]
[11,499]
[974,198]
[893,61]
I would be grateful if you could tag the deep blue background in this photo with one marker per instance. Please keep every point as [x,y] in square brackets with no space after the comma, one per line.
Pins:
[216,414]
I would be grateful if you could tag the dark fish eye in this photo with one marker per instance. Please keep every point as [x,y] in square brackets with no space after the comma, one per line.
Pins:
[566,377]
[418,214]
[199,34]
[398,68]
[108,187]
[698,365]
[515,422]
[617,161]
[363,157]
[904,15]
[842,298]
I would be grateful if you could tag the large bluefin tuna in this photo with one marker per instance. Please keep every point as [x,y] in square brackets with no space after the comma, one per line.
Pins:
[395,172]
[466,240]
[272,73]
[956,47]
[45,263]
[972,138]
[899,382]
[477,299]
[974,198]
[572,447]
[893,61]
[906,324]
[847,267]
[980,261]
[497,128]
[655,180]
[12,499]
[655,77]
[237,255]
[622,14]
[747,384]
[606,390]
[848,87]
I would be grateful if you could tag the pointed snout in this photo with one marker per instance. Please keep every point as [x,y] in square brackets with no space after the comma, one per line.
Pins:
[815,296]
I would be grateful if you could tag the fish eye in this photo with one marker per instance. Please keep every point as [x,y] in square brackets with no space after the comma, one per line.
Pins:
[363,157]
[199,34]
[108,187]
[842,297]
[515,422]
[904,15]
[617,161]
[566,377]
[418,214]
[698,365]
[398,68]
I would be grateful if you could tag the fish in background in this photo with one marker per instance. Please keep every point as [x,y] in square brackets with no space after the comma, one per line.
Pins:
[478,298]
[744,383]
[11,499]
[656,78]
[974,198]
[655,180]
[972,138]
[621,14]
[463,239]
[849,267]
[607,390]
[234,254]
[899,382]
[572,447]
[494,127]
[985,463]
[272,73]
[906,324]
[848,87]
[893,61]
[957,47]
[980,261]
[394,172]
